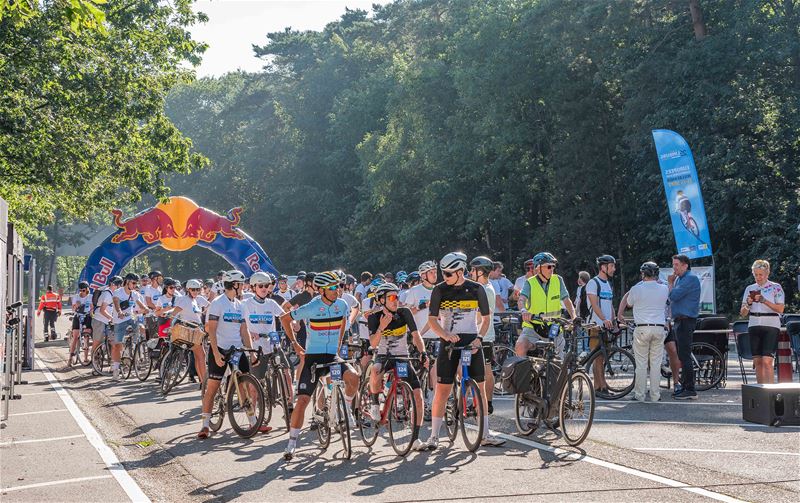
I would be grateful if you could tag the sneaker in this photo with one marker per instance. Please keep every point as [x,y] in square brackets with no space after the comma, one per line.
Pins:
[686,394]
[418,445]
[203,433]
[264,428]
[492,441]
[288,454]
[115,374]
[431,444]
[638,398]
[678,389]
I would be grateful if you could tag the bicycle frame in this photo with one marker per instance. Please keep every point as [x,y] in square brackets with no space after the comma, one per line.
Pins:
[464,371]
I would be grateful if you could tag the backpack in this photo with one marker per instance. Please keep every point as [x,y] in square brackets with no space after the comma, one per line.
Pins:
[96,296]
[516,375]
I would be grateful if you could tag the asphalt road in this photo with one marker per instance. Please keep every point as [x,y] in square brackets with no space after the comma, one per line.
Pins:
[675,451]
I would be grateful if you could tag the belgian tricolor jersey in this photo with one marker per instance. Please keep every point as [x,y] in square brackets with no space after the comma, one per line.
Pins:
[394,339]
[456,306]
[323,324]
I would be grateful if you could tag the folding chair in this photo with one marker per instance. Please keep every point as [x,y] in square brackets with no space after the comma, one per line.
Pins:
[793,329]
[743,349]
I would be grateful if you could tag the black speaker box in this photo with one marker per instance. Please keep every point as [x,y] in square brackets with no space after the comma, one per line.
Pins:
[771,404]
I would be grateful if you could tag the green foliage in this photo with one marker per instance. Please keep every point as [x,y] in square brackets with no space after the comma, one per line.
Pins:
[504,127]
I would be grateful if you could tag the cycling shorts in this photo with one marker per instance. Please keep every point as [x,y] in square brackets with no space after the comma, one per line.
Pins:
[488,352]
[763,340]
[383,363]
[447,367]
[305,385]
[216,372]
[76,322]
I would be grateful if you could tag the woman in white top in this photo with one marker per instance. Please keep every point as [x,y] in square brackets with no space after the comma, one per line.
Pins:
[189,308]
[763,301]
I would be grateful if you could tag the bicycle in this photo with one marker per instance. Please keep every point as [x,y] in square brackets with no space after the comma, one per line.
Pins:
[559,388]
[619,365]
[399,409]
[101,355]
[708,363]
[331,416]
[238,393]
[85,345]
[276,383]
[175,366]
[465,405]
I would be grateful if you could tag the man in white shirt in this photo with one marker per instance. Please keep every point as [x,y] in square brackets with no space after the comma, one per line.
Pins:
[600,295]
[502,285]
[519,283]
[649,301]
[125,300]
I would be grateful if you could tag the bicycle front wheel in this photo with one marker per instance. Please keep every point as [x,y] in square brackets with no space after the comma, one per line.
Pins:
[576,408]
[217,411]
[470,408]
[367,424]
[403,419]
[100,360]
[142,362]
[708,365]
[126,361]
[281,391]
[619,370]
[451,415]
[343,422]
[320,407]
[526,412]
[246,406]
[266,387]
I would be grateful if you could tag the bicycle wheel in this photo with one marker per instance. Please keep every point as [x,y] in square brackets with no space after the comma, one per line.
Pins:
[403,419]
[86,346]
[619,369]
[501,353]
[427,394]
[246,406]
[183,371]
[126,361]
[168,371]
[320,408]
[100,359]
[526,411]
[142,362]
[451,415]
[217,411]
[470,407]
[269,402]
[708,365]
[576,408]
[343,423]
[367,424]
[281,391]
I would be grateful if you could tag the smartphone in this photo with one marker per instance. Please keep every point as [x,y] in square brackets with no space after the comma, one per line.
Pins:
[753,294]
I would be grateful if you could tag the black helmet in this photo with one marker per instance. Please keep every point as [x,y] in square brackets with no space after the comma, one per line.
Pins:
[131,277]
[144,276]
[155,274]
[83,285]
[351,280]
[283,277]
[649,269]
[115,280]
[169,282]
[309,277]
[606,259]
[208,282]
[482,263]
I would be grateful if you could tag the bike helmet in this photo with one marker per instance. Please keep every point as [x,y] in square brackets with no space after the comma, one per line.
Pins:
[376,282]
[208,282]
[350,279]
[528,263]
[83,285]
[414,276]
[154,274]
[326,279]
[301,275]
[649,269]
[544,258]
[341,275]
[283,277]
[482,263]
[261,278]
[115,280]
[193,284]
[169,282]
[386,288]
[131,277]
[453,261]
[401,276]
[428,265]
[232,276]
[605,259]
[144,276]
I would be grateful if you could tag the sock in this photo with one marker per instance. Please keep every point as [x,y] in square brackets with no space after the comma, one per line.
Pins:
[252,419]
[206,419]
[485,426]
[348,401]
[114,365]
[436,423]
[376,399]
[294,433]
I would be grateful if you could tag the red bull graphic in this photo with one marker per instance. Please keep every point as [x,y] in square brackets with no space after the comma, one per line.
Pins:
[152,225]
[175,225]
[205,224]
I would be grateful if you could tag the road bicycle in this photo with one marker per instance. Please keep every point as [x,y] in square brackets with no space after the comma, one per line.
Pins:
[399,410]
[101,355]
[85,345]
[464,408]
[615,363]
[239,395]
[277,381]
[558,388]
[330,409]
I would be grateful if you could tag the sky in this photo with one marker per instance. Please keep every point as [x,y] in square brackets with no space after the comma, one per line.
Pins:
[234,25]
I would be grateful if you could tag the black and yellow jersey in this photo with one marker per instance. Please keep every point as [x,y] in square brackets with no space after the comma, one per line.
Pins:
[393,339]
[456,306]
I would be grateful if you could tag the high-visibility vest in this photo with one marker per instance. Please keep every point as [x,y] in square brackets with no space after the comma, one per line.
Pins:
[50,301]
[543,305]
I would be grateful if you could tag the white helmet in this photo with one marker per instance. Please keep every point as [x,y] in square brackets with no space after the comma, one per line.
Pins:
[385,288]
[261,278]
[232,276]
[426,266]
[193,283]
[453,261]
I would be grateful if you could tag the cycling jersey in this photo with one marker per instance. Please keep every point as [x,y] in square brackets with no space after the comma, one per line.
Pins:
[323,324]
[287,295]
[154,293]
[394,339]
[456,306]
[760,314]
[228,315]
[418,296]
[260,316]
[84,304]
[605,295]
[190,309]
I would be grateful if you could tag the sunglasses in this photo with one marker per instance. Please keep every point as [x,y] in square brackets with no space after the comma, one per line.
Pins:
[84,290]
[391,296]
[170,288]
[194,289]
[332,288]
[530,268]
[548,266]
[449,274]
[262,285]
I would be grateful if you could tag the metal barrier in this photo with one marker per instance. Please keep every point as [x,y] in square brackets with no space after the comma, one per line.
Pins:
[11,312]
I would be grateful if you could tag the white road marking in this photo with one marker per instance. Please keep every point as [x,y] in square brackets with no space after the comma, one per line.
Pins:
[36,440]
[41,393]
[733,451]
[574,456]
[129,485]
[689,423]
[38,412]
[53,483]
[665,402]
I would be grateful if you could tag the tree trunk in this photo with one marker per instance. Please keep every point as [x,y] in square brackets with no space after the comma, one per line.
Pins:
[698,23]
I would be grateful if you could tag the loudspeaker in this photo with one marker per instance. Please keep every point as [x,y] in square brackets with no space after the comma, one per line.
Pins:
[771,404]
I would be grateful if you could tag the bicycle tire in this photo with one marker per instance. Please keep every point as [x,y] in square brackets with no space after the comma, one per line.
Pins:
[324,426]
[126,361]
[343,423]
[501,353]
[283,398]
[470,407]
[269,401]
[86,347]
[184,367]
[451,415]
[578,384]
[710,366]
[367,425]
[217,411]
[255,398]
[403,417]
[142,362]
[619,369]
[99,360]
[526,414]
[427,393]
[168,376]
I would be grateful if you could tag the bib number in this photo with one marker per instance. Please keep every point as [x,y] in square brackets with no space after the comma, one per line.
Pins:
[275,338]
[555,328]
[466,356]
[336,373]
[402,369]
[343,351]
[235,357]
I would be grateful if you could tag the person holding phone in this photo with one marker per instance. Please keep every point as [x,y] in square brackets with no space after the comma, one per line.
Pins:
[764,302]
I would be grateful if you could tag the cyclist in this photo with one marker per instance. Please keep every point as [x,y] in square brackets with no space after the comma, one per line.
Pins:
[82,309]
[764,302]
[350,284]
[50,303]
[151,295]
[542,296]
[125,300]
[417,300]
[413,279]
[283,288]
[325,318]
[481,268]
[519,283]
[226,329]
[298,301]
[103,302]
[352,303]
[459,314]
[388,330]
[600,295]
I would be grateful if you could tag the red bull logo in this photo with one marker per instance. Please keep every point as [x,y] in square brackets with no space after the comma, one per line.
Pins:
[205,224]
[152,225]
